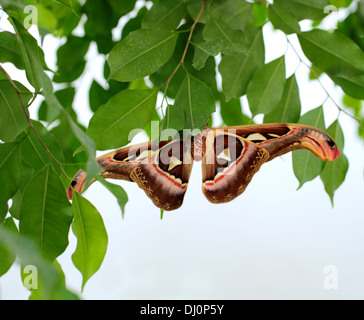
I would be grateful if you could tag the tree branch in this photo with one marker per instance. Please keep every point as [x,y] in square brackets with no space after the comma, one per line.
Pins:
[18,92]
[185,50]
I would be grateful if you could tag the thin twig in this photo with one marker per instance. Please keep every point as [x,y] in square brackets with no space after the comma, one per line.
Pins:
[185,50]
[18,92]
[323,87]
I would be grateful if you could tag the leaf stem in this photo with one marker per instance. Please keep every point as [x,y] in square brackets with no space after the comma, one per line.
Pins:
[185,50]
[30,121]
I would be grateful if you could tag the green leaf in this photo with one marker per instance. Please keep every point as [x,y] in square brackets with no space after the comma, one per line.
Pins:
[333,53]
[134,23]
[334,173]
[27,174]
[266,87]
[231,112]
[12,117]
[289,107]
[34,154]
[141,53]
[353,104]
[29,51]
[50,113]
[341,3]
[236,71]
[305,9]
[122,7]
[101,17]
[173,119]
[237,14]
[71,60]
[7,258]
[194,7]
[233,41]
[164,14]
[112,122]
[9,51]
[10,174]
[204,50]
[153,126]
[306,165]
[351,85]
[282,19]
[119,193]
[52,281]
[98,95]
[260,14]
[197,102]
[91,235]
[12,5]
[207,74]
[45,213]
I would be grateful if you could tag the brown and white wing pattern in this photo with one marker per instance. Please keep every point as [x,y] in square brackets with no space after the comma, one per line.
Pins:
[117,164]
[228,165]
[164,175]
[280,138]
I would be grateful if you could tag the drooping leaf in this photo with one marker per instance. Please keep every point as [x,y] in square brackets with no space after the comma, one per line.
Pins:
[288,108]
[334,173]
[29,52]
[236,71]
[91,235]
[197,102]
[45,213]
[119,193]
[164,14]
[306,165]
[112,122]
[141,53]
[266,87]
[12,117]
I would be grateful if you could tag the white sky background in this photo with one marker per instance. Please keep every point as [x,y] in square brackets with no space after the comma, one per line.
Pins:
[272,242]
